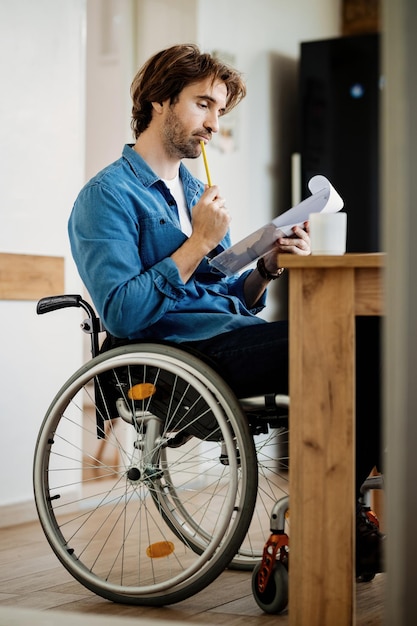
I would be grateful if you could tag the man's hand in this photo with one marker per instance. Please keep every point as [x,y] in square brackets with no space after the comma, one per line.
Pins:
[210,219]
[298,243]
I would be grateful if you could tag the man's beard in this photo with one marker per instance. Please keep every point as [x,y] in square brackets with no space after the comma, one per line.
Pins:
[177,142]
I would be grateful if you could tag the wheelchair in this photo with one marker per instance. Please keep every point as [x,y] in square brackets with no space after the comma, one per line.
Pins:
[184,483]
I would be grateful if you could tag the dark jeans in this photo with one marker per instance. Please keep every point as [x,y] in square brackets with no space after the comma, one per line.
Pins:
[254,361]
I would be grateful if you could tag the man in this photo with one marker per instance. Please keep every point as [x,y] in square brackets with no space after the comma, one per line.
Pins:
[144,229]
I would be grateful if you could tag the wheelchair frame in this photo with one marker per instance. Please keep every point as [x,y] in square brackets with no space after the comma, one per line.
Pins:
[197,475]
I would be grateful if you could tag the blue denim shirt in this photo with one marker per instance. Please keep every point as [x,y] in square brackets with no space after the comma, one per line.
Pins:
[123,228]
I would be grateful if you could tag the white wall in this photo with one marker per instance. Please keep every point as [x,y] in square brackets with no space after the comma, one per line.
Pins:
[43,109]
[41,169]
[110,66]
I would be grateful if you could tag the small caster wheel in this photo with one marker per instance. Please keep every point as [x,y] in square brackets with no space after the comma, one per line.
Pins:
[274,599]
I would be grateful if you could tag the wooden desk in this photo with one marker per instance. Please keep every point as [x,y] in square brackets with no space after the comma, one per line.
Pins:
[325,294]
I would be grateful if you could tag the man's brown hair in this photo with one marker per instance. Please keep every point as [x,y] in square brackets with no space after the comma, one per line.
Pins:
[166,74]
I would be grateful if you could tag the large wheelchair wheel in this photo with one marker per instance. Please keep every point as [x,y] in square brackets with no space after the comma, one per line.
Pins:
[163,509]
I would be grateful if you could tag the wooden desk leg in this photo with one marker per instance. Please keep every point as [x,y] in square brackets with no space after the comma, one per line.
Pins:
[321,587]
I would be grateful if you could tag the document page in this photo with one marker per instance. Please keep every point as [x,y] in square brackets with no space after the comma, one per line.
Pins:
[324,198]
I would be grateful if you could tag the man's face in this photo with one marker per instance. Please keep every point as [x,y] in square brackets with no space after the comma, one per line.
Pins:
[195,116]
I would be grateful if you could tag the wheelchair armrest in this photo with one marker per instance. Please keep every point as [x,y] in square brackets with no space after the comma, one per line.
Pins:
[93,325]
[53,303]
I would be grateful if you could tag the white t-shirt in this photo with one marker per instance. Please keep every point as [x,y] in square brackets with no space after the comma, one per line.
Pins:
[177,191]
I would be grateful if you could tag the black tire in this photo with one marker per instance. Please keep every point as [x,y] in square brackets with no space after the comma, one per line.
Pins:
[274,599]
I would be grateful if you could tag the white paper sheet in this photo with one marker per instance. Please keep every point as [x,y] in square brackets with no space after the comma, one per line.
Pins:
[324,198]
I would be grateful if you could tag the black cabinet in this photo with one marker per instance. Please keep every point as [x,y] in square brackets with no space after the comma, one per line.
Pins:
[339,128]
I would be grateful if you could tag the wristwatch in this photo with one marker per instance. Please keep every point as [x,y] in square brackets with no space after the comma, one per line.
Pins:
[260,266]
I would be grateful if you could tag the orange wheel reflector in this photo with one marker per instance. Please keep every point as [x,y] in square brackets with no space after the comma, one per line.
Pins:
[160,549]
[141,391]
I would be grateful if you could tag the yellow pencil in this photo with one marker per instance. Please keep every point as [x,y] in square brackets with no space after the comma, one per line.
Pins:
[203,152]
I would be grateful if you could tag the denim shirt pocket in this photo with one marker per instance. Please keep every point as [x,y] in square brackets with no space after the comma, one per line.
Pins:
[158,238]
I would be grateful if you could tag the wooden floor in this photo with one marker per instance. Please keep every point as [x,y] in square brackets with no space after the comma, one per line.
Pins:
[31,578]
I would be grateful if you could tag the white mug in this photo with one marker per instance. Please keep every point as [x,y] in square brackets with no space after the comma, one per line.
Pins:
[328,233]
